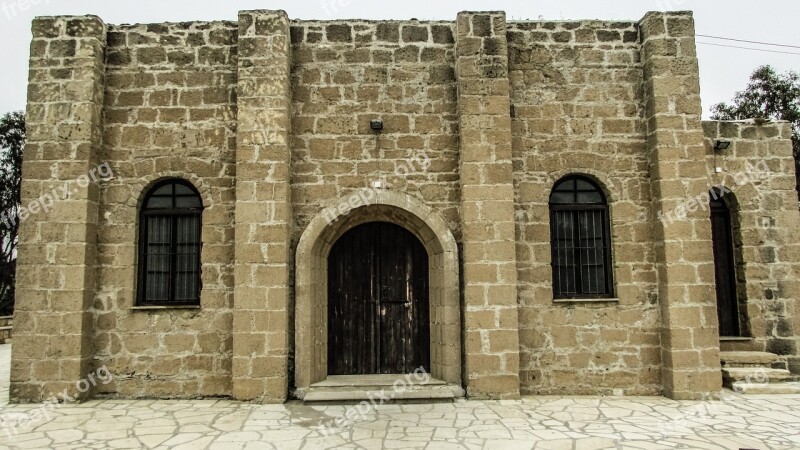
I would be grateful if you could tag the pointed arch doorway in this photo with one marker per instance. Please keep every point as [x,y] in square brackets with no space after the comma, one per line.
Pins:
[378,310]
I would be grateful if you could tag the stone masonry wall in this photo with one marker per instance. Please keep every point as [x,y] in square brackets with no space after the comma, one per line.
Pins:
[58,243]
[170,111]
[346,73]
[757,168]
[577,109]
[270,120]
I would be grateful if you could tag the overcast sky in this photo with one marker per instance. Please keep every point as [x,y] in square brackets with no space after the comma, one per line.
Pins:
[723,71]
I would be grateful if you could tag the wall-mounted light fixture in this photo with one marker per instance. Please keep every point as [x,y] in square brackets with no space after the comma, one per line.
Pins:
[721,145]
[376,125]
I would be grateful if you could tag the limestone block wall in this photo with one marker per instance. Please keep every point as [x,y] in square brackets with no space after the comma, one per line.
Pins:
[757,169]
[346,73]
[169,111]
[58,243]
[577,99]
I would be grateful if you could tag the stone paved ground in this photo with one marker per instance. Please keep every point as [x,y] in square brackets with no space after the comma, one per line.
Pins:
[758,422]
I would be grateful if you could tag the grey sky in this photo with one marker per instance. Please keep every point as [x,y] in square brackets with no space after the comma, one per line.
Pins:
[723,70]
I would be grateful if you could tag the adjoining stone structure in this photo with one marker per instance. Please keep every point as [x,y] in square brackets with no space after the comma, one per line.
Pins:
[758,170]
[269,119]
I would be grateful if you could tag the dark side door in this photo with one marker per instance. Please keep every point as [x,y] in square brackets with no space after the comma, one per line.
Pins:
[724,269]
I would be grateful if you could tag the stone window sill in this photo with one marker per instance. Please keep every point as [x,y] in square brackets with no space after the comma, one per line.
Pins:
[163,308]
[586,300]
[735,339]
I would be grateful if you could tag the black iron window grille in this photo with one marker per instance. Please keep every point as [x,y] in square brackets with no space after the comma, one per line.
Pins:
[580,240]
[170,242]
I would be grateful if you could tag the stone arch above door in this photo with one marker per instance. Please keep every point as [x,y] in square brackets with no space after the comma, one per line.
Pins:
[311,293]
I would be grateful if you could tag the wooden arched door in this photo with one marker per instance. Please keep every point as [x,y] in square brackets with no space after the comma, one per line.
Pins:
[378,308]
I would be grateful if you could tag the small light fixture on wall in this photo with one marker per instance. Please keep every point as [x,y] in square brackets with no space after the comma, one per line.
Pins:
[721,145]
[376,125]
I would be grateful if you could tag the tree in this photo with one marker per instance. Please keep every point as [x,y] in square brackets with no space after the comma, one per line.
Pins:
[12,142]
[768,95]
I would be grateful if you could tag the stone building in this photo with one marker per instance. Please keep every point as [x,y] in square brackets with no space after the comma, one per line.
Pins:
[516,207]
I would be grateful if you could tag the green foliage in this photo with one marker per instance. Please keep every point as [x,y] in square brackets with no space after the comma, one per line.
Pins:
[768,95]
[12,143]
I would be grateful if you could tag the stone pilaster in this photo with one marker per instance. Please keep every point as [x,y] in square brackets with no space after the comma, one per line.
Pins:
[58,232]
[684,257]
[487,200]
[263,209]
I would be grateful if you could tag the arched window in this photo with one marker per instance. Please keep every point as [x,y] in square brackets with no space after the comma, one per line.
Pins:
[580,240]
[170,224]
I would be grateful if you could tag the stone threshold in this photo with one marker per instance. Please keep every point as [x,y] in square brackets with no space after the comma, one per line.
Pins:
[735,339]
[586,300]
[744,388]
[163,308]
[379,388]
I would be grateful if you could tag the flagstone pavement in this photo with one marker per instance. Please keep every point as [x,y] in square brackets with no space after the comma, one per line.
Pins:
[752,422]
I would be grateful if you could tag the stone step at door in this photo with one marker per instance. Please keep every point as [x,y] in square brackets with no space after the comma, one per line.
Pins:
[757,373]
[753,359]
[390,388]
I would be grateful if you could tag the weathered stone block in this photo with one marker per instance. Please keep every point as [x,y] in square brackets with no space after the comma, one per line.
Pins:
[415,33]
[442,34]
[181,58]
[339,33]
[389,32]
[608,36]
[149,56]
[481,25]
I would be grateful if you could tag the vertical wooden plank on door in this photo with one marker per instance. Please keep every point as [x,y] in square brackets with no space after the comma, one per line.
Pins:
[405,310]
[351,305]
